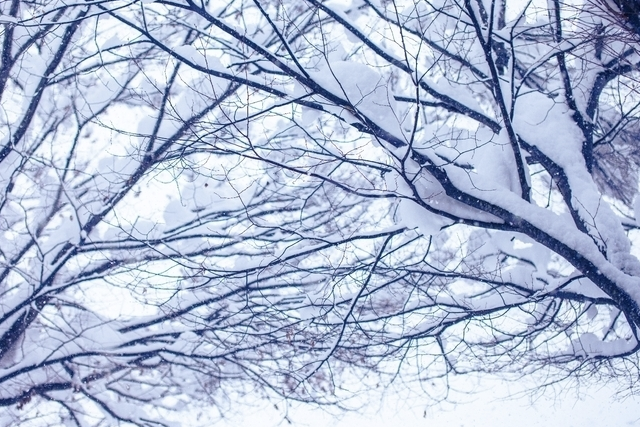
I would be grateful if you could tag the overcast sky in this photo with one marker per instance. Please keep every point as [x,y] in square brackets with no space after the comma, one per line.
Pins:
[560,407]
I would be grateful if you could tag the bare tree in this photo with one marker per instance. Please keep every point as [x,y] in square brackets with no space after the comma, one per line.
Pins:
[206,199]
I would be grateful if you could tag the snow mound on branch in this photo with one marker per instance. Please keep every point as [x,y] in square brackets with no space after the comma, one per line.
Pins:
[412,215]
[589,345]
[191,54]
[365,89]
[539,126]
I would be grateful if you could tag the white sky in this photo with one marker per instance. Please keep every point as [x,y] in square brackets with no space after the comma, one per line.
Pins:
[600,408]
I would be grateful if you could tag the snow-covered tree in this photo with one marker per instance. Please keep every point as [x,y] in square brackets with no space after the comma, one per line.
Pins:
[203,199]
